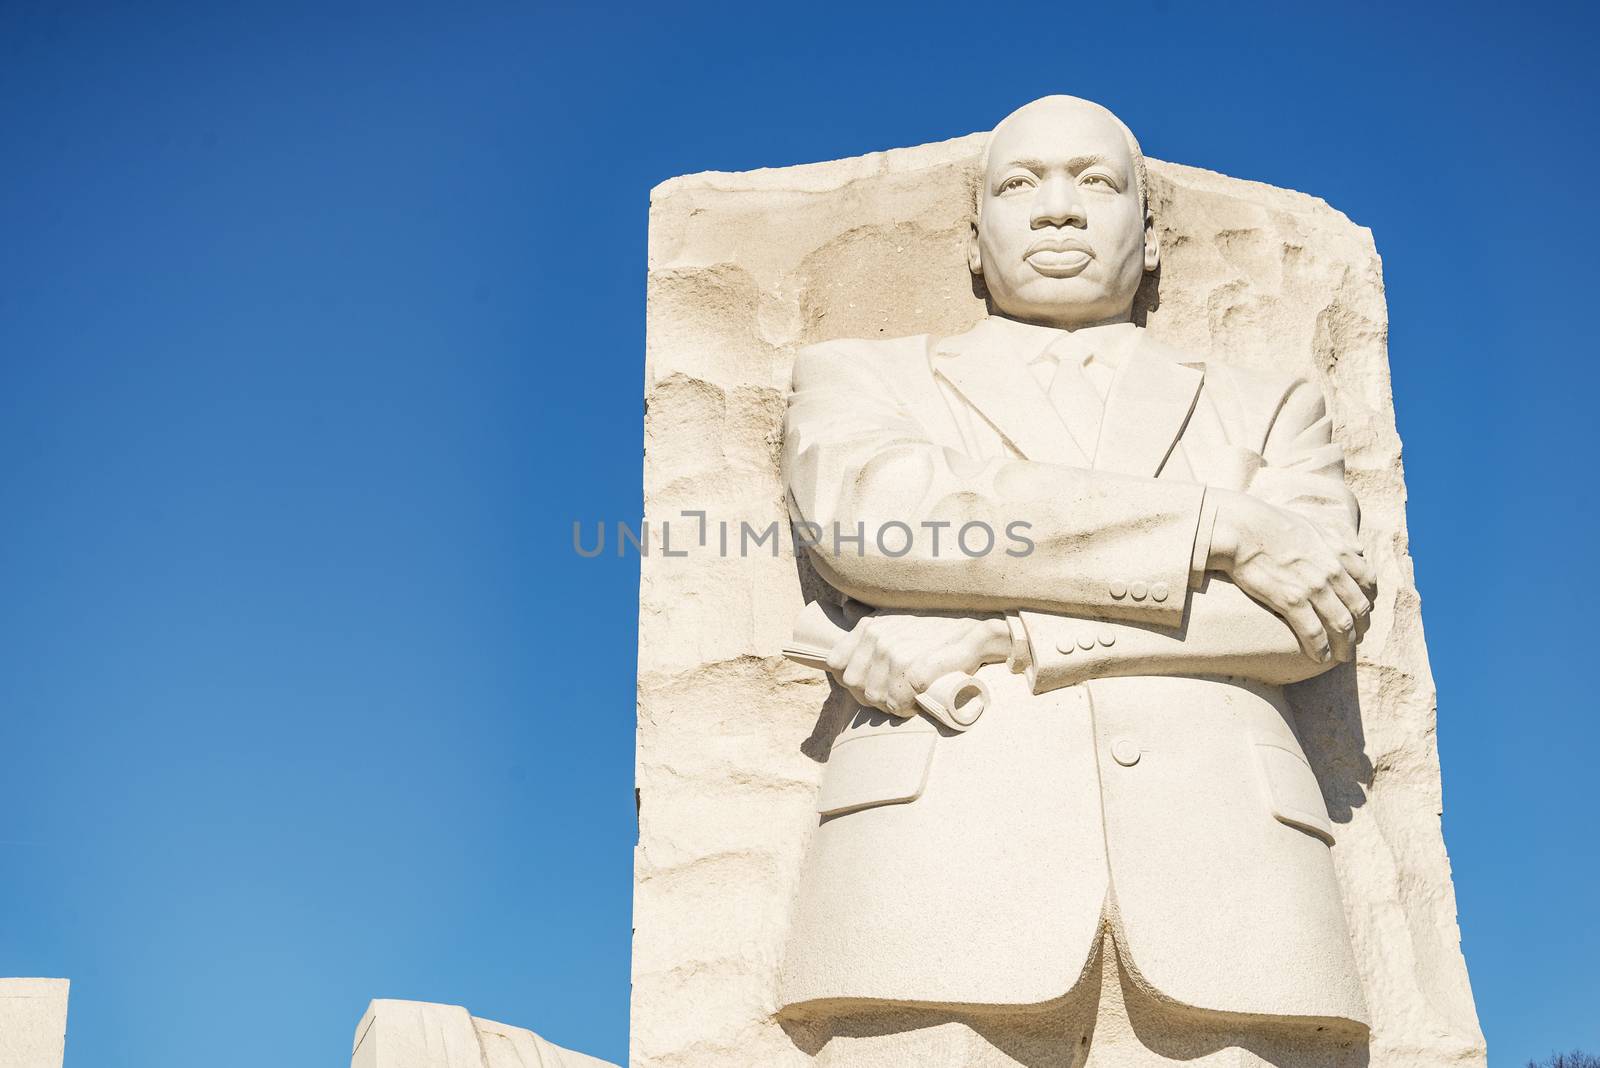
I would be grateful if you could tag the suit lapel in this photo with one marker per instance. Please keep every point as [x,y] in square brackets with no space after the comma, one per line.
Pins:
[1150,400]
[992,375]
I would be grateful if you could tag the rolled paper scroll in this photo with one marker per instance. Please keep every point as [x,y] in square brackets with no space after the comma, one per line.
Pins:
[955,700]
[814,637]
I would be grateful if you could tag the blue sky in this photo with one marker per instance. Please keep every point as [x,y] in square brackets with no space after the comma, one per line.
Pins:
[320,324]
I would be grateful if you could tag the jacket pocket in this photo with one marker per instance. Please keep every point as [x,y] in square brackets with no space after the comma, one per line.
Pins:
[1292,790]
[876,768]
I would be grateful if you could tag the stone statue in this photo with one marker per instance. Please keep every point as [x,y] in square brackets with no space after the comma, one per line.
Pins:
[1126,859]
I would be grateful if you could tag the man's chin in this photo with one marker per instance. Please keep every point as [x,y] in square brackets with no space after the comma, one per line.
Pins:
[1068,301]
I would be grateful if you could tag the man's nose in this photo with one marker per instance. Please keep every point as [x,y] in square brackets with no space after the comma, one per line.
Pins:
[1057,203]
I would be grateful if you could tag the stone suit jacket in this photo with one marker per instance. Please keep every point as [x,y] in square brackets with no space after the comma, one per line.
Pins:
[1145,771]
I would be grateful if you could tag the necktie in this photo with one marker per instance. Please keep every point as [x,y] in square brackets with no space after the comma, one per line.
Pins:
[1072,390]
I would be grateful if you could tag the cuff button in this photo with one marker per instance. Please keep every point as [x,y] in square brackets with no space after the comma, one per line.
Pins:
[1138,590]
[1119,589]
[1159,592]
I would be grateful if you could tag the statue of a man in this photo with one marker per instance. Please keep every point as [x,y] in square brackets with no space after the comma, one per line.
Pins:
[1126,860]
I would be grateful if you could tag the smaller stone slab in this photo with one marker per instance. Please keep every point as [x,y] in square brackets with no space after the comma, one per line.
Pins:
[33,1022]
[422,1034]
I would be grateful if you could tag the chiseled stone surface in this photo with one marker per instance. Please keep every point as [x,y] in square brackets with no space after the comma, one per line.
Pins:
[33,1022]
[744,270]
[421,1034]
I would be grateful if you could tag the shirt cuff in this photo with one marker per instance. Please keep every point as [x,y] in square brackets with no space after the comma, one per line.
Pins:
[1202,542]
[1021,658]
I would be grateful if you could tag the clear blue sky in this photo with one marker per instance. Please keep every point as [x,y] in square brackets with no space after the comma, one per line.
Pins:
[320,324]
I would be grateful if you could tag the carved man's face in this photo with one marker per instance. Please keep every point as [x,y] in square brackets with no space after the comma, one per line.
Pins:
[1061,237]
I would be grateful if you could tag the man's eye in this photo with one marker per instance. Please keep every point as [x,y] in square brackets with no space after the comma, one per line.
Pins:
[1098,179]
[1011,185]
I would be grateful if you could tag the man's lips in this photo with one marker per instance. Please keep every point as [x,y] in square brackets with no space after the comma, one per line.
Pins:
[1059,244]
[1058,257]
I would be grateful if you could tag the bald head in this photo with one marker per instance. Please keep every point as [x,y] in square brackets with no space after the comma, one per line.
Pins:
[1062,234]
[1059,106]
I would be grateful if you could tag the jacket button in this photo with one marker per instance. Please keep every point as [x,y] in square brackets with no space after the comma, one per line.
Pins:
[1066,645]
[1119,589]
[1086,641]
[1138,590]
[1125,752]
[1108,637]
[1159,592]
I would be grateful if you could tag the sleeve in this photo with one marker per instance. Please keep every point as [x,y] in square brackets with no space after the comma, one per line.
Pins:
[1224,631]
[898,521]
[1303,467]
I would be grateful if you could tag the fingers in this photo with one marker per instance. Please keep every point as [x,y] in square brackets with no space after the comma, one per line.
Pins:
[875,685]
[925,669]
[1362,623]
[1356,586]
[910,664]
[901,699]
[1315,577]
[1360,569]
[1338,623]
[866,665]
[1309,630]
[843,649]
[853,657]
[1354,598]
[854,675]
[886,686]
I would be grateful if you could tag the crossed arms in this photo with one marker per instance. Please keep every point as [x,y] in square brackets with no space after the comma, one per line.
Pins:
[1268,584]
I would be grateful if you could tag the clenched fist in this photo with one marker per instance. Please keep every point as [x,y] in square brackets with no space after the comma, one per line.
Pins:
[1320,584]
[889,658]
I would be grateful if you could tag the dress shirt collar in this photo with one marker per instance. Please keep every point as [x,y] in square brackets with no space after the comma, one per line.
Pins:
[1033,342]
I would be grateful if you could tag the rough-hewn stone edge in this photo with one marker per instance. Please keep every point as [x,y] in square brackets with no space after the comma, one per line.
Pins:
[827,176]
[824,176]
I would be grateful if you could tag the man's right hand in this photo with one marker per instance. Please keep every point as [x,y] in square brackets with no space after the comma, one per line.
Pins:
[1281,559]
[891,657]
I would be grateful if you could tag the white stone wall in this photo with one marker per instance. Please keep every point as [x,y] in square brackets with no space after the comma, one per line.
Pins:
[33,1022]
[747,268]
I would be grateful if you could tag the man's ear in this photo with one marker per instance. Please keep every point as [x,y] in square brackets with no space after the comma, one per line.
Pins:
[1152,243]
[974,254]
